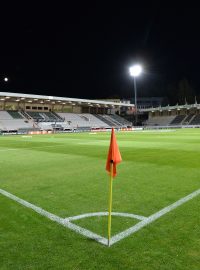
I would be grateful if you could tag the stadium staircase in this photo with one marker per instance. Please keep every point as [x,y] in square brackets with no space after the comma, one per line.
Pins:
[94,121]
[106,120]
[58,116]
[121,121]
[51,117]
[188,119]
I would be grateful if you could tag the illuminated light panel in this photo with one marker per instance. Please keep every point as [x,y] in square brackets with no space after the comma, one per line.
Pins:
[135,70]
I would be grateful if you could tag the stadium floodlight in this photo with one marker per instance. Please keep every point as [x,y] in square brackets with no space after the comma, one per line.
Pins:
[135,71]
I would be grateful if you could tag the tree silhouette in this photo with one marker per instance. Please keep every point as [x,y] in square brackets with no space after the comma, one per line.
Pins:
[186,93]
[181,92]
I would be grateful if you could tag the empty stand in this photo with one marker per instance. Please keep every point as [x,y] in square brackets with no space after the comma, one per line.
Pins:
[51,117]
[12,121]
[15,114]
[188,119]
[94,121]
[44,116]
[4,115]
[82,120]
[178,119]
[8,125]
[106,120]
[159,120]
[36,116]
[120,120]
[195,120]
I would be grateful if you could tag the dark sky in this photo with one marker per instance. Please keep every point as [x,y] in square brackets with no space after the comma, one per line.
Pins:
[85,51]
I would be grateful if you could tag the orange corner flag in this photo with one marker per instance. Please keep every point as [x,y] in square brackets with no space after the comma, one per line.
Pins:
[114,156]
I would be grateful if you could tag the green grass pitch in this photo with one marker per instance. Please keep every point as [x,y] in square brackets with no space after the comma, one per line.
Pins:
[65,175]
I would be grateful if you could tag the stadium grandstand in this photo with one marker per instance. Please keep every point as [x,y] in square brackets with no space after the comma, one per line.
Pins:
[178,116]
[35,114]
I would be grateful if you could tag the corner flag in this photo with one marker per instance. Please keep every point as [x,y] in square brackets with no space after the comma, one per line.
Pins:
[114,157]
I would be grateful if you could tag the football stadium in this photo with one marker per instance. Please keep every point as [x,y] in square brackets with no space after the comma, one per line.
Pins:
[83,187]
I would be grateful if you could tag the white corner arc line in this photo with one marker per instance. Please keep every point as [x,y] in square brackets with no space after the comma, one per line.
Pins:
[153,217]
[105,214]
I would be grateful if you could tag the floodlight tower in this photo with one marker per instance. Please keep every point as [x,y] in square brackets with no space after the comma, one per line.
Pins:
[135,71]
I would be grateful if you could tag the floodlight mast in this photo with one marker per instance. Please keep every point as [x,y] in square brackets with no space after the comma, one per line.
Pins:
[135,71]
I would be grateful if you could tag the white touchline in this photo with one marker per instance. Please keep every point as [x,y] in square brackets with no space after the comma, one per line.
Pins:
[55,218]
[7,149]
[153,217]
[30,148]
[66,221]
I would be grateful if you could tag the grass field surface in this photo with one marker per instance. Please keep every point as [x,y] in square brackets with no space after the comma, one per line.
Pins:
[65,175]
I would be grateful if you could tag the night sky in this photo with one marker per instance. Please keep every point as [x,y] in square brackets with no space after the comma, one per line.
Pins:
[84,51]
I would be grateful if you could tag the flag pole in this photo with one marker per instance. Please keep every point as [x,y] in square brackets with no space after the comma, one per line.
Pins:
[110,202]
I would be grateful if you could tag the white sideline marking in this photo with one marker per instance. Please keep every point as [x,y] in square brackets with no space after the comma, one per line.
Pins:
[66,222]
[7,149]
[105,214]
[153,217]
[32,206]
[31,148]
[57,219]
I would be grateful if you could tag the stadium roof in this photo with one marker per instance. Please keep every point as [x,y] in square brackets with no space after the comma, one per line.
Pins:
[170,108]
[29,97]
